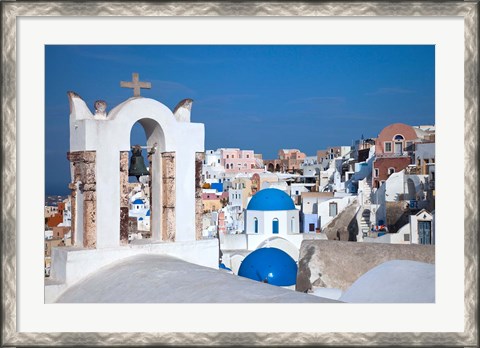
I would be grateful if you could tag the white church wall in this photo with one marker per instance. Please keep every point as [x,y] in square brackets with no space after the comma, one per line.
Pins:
[282,217]
[234,242]
[265,221]
[254,241]
[293,221]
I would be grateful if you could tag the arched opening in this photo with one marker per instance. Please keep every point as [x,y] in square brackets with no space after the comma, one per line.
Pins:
[282,244]
[270,167]
[138,186]
[147,136]
[255,223]
[398,141]
[275,226]
[277,167]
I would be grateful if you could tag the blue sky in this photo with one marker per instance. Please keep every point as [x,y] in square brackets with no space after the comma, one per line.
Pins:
[258,97]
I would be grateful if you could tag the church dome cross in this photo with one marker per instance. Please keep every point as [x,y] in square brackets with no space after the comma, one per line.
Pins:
[136,85]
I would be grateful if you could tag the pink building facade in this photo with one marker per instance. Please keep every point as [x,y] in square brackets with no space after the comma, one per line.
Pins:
[240,161]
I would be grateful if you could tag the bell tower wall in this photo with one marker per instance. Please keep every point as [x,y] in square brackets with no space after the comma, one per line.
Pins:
[99,151]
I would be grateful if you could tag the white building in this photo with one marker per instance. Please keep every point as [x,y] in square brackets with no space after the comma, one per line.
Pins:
[271,213]
[328,209]
[272,203]
[212,169]
[67,212]
[139,209]
[420,230]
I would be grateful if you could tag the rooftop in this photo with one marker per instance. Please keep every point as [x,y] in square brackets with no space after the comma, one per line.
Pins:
[165,279]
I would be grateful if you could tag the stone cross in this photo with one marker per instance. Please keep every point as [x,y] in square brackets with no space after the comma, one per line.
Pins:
[135,84]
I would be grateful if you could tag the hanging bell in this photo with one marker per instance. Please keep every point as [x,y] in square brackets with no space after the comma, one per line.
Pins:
[137,164]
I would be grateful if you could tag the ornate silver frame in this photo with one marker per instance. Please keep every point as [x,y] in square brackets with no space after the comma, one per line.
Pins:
[12,10]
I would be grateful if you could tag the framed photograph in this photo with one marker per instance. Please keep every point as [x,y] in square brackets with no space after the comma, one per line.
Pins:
[28,28]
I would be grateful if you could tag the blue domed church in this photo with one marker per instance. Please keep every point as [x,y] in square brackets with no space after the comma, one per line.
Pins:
[271,214]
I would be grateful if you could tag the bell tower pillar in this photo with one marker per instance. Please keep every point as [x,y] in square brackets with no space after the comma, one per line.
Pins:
[84,205]
[123,197]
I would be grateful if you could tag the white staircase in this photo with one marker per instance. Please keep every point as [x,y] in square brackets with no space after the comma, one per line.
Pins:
[363,217]
[364,224]
[367,192]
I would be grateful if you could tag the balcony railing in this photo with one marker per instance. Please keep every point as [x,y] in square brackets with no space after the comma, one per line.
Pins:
[393,155]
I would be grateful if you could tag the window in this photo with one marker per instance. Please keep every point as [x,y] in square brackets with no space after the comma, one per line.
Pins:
[388,146]
[218,161]
[391,171]
[398,137]
[376,172]
[311,227]
[332,211]
[255,223]
[248,156]
[409,146]
[406,238]
[233,156]
[275,226]
[252,166]
[228,156]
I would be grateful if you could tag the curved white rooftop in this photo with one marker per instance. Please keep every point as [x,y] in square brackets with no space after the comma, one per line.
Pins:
[165,279]
[396,281]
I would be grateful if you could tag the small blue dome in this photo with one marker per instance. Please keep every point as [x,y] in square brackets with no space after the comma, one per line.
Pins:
[271,199]
[138,201]
[269,265]
[148,213]
[140,219]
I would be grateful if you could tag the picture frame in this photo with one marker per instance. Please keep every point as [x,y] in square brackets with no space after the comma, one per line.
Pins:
[12,11]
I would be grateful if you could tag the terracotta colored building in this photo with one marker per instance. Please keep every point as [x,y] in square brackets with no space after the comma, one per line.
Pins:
[394,150]
[57,218]
[289,160]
